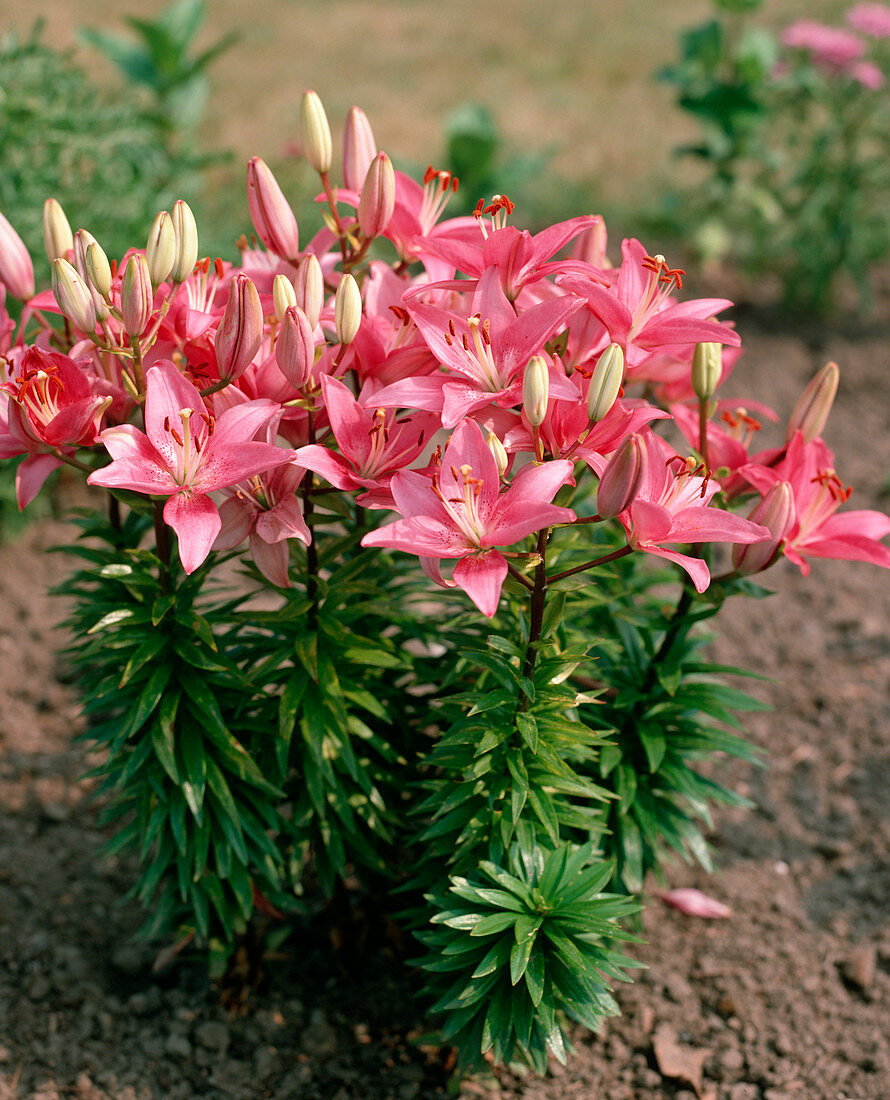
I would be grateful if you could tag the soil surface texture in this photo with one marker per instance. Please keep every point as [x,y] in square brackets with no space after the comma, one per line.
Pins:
[789,999]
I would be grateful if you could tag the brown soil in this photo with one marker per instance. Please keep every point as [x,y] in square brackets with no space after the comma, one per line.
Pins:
[787,1000]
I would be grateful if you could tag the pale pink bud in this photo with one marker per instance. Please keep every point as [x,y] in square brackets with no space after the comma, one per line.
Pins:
[57,237]
[590,246]
[378,198]
[16,269]
[535,390]
[814,404]
[82,241]
[707,367]
[270,211]
[185,230]
[359,148]
[316,133]
[283,295]
[137,299]
[775,512]
[309,287]
[694,903]
[499,451]
[622,478]
[241,329]
[98,268]
[160,251]
[74,297]
[295,348]
[347,309]
[605,383]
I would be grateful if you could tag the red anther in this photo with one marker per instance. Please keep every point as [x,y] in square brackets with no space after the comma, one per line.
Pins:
[750,423]
[166,423]
[401,314]
[729,418]
[218,265]
[466,342]
[430,174]
[500,202]
[113,266]
[486,330]
[175,435]
[479,209]
[205,265]
[448,340]
[454,472]
[652,263]
[455,183]
[451,327]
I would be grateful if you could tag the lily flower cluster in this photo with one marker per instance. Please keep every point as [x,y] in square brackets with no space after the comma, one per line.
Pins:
[462,373]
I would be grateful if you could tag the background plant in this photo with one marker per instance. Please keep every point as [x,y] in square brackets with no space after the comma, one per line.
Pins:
[793,146]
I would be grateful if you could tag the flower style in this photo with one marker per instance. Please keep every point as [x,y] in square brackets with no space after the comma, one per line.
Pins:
[460,513]
[816,530]
[185,453]
[672,507]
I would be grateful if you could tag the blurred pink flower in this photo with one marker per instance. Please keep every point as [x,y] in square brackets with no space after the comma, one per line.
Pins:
[829,46]
[871,19]
[694,903]
[868,74]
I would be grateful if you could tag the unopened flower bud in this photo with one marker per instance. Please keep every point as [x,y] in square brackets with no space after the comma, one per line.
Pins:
[499,451]
[776,512]
[622,478]
[707,367]
[137,300]
[316,133]
[283,295]
[98,268]
[16,269]
[535,390]
[590,246]
[82,241]
[74,297]
[378,199]
[347,309]
[160,251]
[813,406]
[241,329]
[605,383]
[270,211]
[359,148]
[309,287]
[185,230]
[694,903]
[57,237]
[295,348]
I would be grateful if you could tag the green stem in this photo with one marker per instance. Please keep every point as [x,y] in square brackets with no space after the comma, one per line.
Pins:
[311,549]
[162,543]
[539,596]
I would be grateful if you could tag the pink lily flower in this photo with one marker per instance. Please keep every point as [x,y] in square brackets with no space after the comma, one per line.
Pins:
[695,903]
[49,405]
[373,445]
[672,507]
[519,258]
[185,453]
[485,353]
[460,513]
[637,311]
[266,510]
[817,529]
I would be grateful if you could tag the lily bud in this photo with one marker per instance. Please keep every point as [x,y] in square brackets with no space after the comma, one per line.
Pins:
[814,404]
[776,512]
[241,330]
[378,199]
[309,287]
[74,297]
[347,309]
[98,269]
[590,245]
[16,269]
[605,383]
[83,239]
[185,230]
[499,451]
[622,478]
[359,148]
[316,133]
[137,300]
[283,295]
[270,211]
[160,252]
[535,390]
[295,348]
[57,237]
[707,367]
